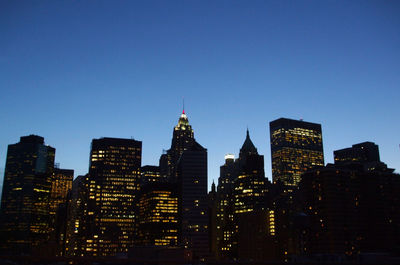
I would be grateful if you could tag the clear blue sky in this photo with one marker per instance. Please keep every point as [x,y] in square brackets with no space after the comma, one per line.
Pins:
[72,71]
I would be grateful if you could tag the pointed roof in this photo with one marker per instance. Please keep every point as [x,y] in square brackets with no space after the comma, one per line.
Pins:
[248,146]
[183,120]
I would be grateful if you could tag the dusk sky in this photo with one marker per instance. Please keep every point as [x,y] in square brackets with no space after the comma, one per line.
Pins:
[71,71]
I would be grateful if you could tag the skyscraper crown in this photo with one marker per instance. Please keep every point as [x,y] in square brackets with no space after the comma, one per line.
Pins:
[248,146]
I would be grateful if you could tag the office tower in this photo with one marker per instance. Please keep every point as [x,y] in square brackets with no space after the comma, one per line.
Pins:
[225,226]
[296,146]
[192,202]
[182,139]
[77,211]
[250,184]
[352,208]
[114,181]
[25,198]
[363,152]
[157,215]
[242,194]
[61,185]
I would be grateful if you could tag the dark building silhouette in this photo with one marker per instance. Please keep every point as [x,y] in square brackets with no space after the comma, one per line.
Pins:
[296,146]
[225,225]
[151,174]
[363,153]
[25,219]
[250,183]
[192,209]
[113,185]
[212,220]
[182,139]
[353,206]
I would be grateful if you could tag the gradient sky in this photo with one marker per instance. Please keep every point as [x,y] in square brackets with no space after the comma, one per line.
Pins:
[72,71]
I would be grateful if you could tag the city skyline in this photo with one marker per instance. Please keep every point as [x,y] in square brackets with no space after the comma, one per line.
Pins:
[73,72]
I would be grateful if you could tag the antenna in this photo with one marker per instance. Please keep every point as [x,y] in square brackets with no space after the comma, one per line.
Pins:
[183,104]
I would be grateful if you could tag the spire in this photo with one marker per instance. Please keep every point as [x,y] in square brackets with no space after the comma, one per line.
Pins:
[248,146]
[183,107]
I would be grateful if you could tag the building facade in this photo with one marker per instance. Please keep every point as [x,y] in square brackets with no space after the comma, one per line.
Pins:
[296,146]
[193,206]
[113,185]
[353,208]
[25,219]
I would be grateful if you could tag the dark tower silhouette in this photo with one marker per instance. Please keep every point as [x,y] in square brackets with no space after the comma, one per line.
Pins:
[25,219]
[242,207]
[193,207]
[182,139]
[249,186]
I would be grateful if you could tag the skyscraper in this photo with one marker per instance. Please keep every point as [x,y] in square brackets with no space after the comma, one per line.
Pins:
[114,176]
[250,184]
[296,146]
[242,194]
[77,226]
[61,185]
[182,139]
[192,202]
[157,220]
[26,193]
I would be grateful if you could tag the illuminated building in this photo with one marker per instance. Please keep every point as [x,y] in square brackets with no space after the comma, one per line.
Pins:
[114,181]
[296,146]
[182,139]
[250,184]
[77,231]
[242,193]
[158,215]
[26,194]
[192,202]
[353,208]
[61,184]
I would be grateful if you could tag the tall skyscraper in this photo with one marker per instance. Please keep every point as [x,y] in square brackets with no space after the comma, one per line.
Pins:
[61,185]
[242,193]
[182,139]
[114,181]
[250,184]
[192,202]
[25,200]
[296,146]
